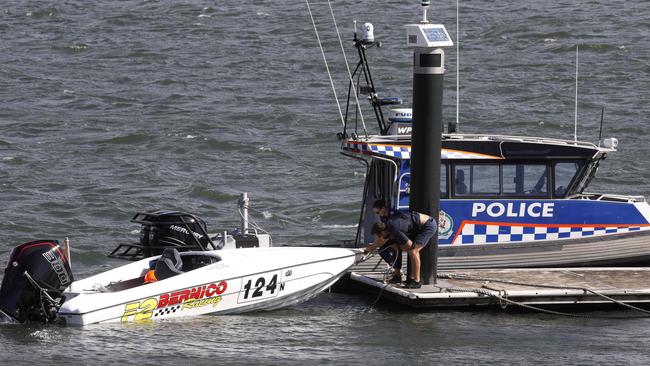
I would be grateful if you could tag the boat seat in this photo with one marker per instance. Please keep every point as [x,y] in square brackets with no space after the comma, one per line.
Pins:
[169,264]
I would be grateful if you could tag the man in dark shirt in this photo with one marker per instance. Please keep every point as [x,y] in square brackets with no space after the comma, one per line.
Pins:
[387,249]
[402,228]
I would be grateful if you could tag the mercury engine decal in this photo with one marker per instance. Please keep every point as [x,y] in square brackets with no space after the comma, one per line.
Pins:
[58,267]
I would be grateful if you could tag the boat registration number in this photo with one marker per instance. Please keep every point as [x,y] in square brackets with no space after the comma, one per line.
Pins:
[260,286]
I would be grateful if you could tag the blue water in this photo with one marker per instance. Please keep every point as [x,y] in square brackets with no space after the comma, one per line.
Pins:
[111,107]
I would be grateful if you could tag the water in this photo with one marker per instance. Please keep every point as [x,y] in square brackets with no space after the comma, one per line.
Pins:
[108,107]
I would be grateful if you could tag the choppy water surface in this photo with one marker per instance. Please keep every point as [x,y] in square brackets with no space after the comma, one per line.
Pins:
[110,107]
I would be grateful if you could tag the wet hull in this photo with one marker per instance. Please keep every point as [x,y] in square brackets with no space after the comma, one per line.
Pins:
[625,249]
[244,280]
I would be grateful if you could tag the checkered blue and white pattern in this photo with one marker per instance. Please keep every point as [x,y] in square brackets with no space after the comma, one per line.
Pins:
[473,233]
[355,146]
[392,151]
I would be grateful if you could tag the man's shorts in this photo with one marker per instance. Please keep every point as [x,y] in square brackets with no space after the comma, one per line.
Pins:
[425,232]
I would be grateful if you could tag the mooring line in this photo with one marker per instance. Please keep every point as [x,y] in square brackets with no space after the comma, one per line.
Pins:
[384,273]
[505,299]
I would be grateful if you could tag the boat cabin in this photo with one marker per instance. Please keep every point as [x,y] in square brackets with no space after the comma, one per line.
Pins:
[480,166]
[493,182]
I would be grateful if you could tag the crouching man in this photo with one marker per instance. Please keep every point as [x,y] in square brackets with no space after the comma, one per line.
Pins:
[388,250]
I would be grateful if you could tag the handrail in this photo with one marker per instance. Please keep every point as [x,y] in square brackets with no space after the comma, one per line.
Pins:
[455,136]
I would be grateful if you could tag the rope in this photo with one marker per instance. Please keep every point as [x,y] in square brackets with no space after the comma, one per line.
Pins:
[320,45]
[254,225]
[503,299]
[283,219]
[381,291]
[631,307]
[354,89]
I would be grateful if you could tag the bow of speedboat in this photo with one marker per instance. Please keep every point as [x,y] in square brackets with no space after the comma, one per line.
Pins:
[273,278]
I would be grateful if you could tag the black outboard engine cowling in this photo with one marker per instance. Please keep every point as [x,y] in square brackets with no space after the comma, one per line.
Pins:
[34,280]
[164,229]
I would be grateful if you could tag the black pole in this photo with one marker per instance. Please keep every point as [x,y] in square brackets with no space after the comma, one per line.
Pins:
[428,73]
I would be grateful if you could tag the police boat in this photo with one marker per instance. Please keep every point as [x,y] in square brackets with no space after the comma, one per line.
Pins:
[506,201]
[38,284]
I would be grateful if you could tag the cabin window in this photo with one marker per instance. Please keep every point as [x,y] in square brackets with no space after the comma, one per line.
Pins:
[525,179]
[564,173]
[383,175]
[477,179]
[443,181]
[404,184]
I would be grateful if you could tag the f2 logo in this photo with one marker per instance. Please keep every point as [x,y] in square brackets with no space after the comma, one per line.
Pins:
[139,311]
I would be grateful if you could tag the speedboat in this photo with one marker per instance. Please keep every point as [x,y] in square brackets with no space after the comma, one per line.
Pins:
[506,201]
[38,284]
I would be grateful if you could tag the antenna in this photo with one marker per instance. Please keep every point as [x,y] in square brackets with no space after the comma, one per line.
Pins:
[329,74]
[575,123]
[457,68]
[600,133]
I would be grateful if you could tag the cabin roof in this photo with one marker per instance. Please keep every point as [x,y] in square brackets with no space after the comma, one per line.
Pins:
[475,147]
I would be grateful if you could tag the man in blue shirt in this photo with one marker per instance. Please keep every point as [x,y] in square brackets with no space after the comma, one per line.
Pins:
[387,249]
[402,228]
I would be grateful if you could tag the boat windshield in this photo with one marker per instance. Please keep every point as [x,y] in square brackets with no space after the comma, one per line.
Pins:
[501,180]
[525,179]
[584,178]
[479,179]
[564,174]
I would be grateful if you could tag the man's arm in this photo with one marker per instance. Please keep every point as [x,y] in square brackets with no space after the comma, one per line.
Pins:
[373,246]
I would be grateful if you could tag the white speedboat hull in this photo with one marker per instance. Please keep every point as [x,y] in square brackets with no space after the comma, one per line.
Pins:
[242,280]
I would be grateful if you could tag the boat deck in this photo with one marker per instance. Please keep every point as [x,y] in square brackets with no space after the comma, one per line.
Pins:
[544,288]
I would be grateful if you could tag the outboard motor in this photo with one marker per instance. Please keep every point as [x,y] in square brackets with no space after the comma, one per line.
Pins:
[34,280]
[164,229]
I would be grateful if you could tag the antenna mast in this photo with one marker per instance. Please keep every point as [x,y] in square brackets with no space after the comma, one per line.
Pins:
[457,68]
[575,123]
[600,133]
